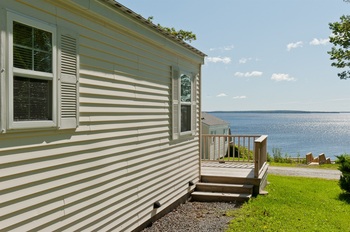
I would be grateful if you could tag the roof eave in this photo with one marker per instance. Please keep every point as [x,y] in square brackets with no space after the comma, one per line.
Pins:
[151,25]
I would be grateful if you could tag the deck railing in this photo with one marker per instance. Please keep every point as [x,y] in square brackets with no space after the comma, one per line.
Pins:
[236,148]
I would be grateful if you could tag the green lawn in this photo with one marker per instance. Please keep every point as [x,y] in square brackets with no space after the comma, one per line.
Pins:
[295,204]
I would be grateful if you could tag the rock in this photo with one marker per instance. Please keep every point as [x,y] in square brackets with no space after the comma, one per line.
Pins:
[322,158]
[309,157]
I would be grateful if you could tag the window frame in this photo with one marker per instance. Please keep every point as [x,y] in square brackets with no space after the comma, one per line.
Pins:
[176,104]
[13,71]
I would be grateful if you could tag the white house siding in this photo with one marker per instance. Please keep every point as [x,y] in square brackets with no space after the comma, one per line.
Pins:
[106,174]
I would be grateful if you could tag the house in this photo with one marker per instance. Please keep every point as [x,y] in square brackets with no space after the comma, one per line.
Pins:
[99,117]
[214,147]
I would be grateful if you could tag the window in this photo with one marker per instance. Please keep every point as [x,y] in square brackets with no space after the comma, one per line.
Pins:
[42,75]
[32,96]
[212,137]
[186,102]
[32,73]
[183,103]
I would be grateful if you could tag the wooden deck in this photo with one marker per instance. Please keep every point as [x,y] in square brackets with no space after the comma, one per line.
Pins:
[235,180]
[233,173]
[241,170]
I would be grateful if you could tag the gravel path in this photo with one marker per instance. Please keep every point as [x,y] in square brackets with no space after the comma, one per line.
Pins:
[307,172]
[211,216]
[195,217]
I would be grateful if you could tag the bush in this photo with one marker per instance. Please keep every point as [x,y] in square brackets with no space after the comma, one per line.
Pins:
[240,152]
[269,158]
[344,167]
[278,157]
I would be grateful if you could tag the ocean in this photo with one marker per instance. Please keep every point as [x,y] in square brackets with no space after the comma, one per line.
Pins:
[295,133]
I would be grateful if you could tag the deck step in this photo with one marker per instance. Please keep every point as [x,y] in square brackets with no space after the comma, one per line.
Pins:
[224,188]
[220,197]
[229,180]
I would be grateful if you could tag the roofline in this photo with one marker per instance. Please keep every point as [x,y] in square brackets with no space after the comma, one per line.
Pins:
[221,124]
[151,25]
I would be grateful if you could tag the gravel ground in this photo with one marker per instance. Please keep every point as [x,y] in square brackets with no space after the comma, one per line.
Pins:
[195,217]
[211,216]
[306,172]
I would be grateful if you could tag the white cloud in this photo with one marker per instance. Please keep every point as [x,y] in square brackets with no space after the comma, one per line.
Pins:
[222,95]
[248,74]
[218,59]
[282,77]
[316,41]
[240,97]
[225,48]
[298,44]
[244,60]
[229,48]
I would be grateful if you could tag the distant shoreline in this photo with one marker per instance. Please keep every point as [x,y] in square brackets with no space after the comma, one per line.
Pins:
[281,112]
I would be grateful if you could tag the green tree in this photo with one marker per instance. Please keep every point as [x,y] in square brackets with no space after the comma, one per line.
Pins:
[344,167]
[179,34]
[340,54]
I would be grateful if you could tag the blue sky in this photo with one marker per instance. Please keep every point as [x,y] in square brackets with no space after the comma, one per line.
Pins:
[262,55]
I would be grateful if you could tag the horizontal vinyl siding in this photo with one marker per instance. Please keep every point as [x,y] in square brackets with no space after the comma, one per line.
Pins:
[107,174]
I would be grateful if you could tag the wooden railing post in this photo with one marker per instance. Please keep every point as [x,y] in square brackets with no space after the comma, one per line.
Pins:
[256,158]
[260,152]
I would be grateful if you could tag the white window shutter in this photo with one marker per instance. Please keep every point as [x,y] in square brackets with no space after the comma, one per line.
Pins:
[2,97]
[194,105]
[175,102]
[68,80]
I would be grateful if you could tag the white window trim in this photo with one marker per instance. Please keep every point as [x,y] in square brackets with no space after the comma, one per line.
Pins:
[3,67]
[11,17]
[176,104]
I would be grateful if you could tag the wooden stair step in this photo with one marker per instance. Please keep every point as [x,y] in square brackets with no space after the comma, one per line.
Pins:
[224,188]
[220,197]
[229,180]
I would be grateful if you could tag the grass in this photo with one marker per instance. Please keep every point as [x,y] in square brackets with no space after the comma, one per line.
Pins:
[295,204]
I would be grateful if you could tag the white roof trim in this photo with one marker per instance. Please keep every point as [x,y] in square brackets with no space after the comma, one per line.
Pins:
[126,10]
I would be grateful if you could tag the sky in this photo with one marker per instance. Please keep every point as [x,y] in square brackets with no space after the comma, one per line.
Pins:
[261,55]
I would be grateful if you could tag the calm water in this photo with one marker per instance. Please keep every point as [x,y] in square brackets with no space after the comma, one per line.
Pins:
[296,133]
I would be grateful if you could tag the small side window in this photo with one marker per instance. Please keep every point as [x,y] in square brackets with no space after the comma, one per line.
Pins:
[184,110]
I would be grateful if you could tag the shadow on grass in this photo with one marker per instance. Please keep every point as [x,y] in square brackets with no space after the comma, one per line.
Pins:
[345,197]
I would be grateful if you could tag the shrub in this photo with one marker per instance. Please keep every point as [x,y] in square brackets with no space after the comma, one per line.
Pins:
[240,152]
[269,158]
[344,167]
[277,155]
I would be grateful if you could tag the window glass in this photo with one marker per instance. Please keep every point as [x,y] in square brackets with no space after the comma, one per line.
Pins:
[32,99]
[185,118]
[32,93]
[185,103]
[32,48]
[185,88]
